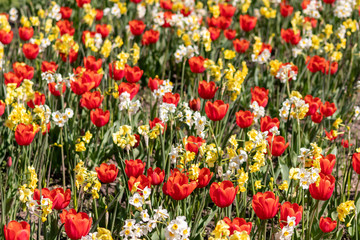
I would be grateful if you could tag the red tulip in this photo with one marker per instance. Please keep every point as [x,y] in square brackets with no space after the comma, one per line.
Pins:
[116,74]
[107,173]
[290,210]
[193,144]
[260,95]
[223,194]
[267,123]
[24,134]
[77,225]
[247,23]
[166,4]
[356,162]
[286,9]
[204,177]
[156,176]
[289,36]
[23,71]
[30,50]
[99,118]
[195,104]
[315,63]
[317,117]
[325,189]
[241,45]
[216,111]
[224,22]
[81,3]
[154,83]
[207,90]
[39,99]
[130,88]
[59,198]
[327,163]
[178,186]
[99,14]
[314,104]
[82,84]
[11,77]
[25,33]
[6,37]
[313,21]
[66,27]
[277,145]
[265,205]
[329,1]
[72,56]
[48,66]
[345,143]
[327,224]
[244,119]
[171,98]
[150,37]
[2,107]
[328,109]
[140,182]
[103,29]
[212,22]
[65,12]
[156,121]
[91,63]
[167,18]
[238,224]
[197,64]
[227,10]
[137,27]
[134,167]
[330,68]
[53,90]
[91,100]
[214,33]
[17,231]
[230,34]
[134,74]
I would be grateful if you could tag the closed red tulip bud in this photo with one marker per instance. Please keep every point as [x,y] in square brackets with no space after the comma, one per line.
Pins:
[265,205]
[204,177]
[99,14]
[59,198]
[212,22]
[49,66]
[260,95]
[137,138]
[178,186]
[9,162]
[65,12]
[328,109]
[315,63]
[171,98]
[150,37]
[224,22]
[324,189]
[223,194]
[327,224]
[6,37]
[17,231]
[267,123]
[345,143]
[107,173]
[195,104]
[244,119]
[290,210]
[77,225]
[156,176]
[356,162]
[91,63]
[247,23]
[193,144]
[207,90]
[130,88]
[197,64]
[91,100]
[238,224]
[241,45]
[23,71]
[116,74]
[286,9]
[227,10]
[230,34]
[154,83]
[137,27]
[30,50]
[133,74]
[330,68]
[2,107]
[103,29]
[314,104]
[99,118]
[327,164]
[134,168]
[24,134]
[66,27]
[289,36]
[216,111]
[317,117]
[214,33]
[54,91]
[25,33]
[140,182]
[39,99]
[166,4]
[277,145]
[11,77]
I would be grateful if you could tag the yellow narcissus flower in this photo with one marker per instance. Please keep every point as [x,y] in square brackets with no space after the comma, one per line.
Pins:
[221,230]
[80,147]
[103,234]
[194,171]
[345,209]
[274,66]
[258,184]
[328,30]
[337,123]
[239,236]
[284,186]
[229,54]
